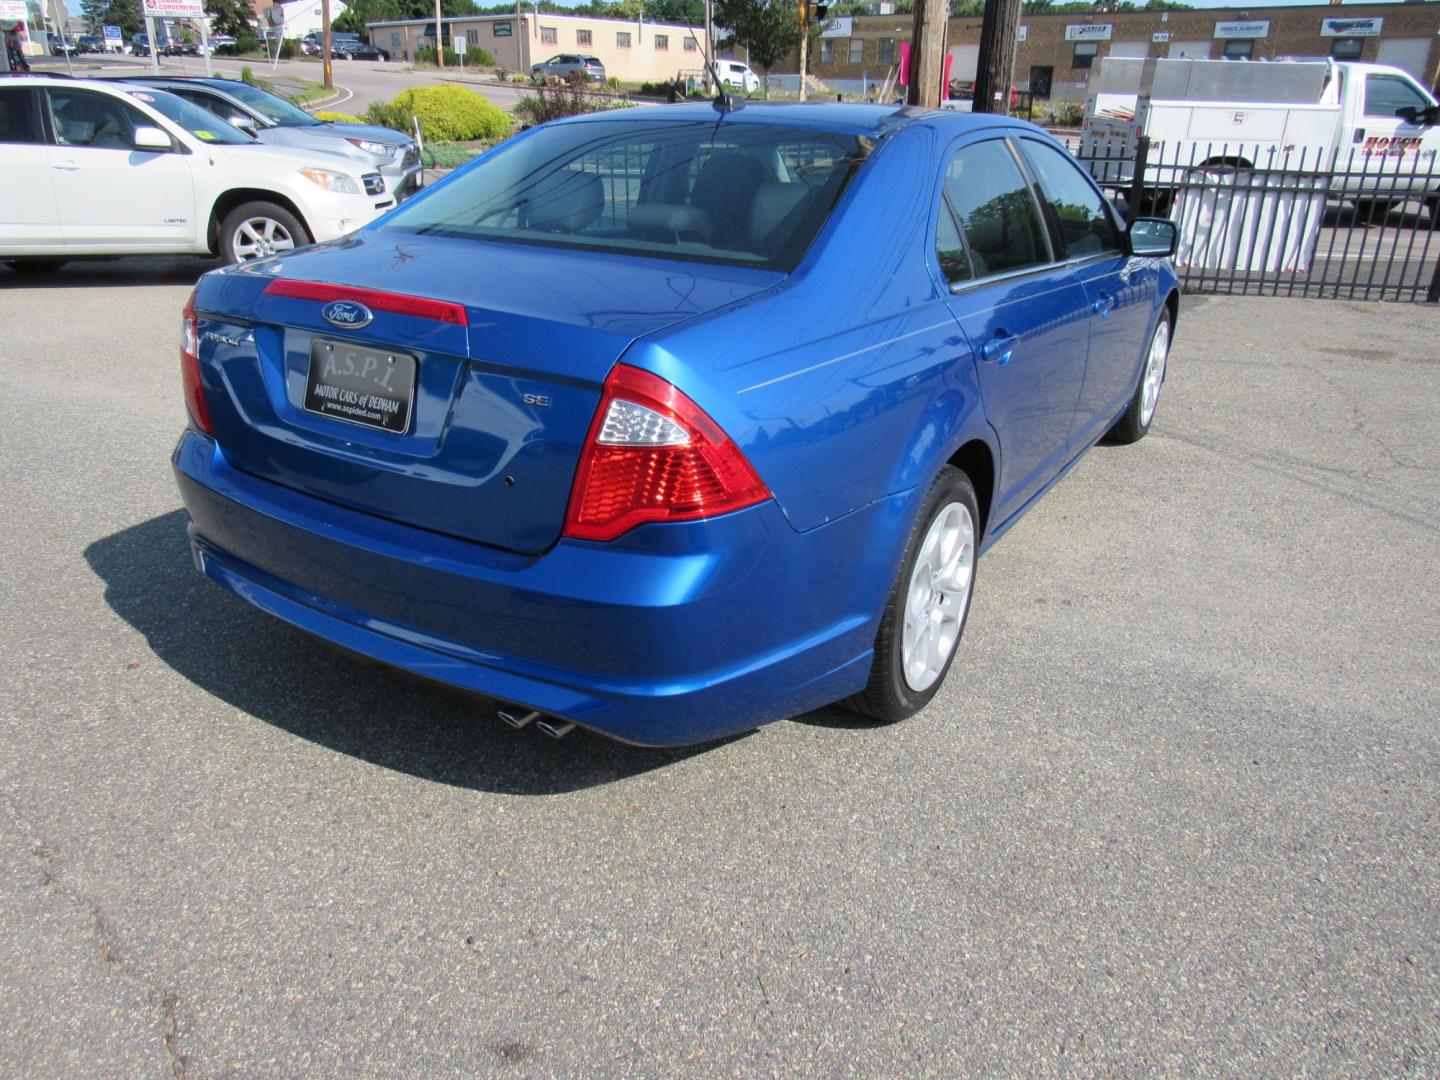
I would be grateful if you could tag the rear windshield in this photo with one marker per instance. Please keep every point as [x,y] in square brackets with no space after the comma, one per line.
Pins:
[740,194]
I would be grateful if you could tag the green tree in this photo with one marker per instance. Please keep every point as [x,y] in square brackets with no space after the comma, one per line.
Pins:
[230,17]
[122,13]
[770,29]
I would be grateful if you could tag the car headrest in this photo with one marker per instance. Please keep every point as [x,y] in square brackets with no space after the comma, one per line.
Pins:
[774,202]
[565,201]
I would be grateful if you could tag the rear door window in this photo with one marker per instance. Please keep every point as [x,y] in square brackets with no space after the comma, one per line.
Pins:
[995,208]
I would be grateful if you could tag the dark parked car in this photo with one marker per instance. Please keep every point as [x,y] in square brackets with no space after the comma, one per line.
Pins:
[89,43]
[673,458]
[357,50]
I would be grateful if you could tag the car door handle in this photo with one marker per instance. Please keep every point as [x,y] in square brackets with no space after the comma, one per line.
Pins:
[67,166]
[998,349]
[1103,305]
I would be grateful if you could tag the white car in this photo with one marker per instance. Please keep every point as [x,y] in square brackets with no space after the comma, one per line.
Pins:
[96,168]
[734,74]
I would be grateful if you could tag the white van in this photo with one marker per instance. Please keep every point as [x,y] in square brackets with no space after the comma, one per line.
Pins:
[737,76]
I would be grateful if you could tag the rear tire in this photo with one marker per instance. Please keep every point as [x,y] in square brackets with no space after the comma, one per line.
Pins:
[255,230]
[924,619]
[1135,422]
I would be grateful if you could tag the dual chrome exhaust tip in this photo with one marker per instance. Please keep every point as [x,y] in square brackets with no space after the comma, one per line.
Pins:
[552,726]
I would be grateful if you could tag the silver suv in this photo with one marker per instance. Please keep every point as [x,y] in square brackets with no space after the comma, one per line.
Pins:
[566,65]
[274,120]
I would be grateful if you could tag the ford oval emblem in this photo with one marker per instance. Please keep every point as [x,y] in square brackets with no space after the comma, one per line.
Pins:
[347,314]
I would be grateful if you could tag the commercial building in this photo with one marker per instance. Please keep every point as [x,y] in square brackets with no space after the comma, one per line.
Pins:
[1056,53]
[631,51]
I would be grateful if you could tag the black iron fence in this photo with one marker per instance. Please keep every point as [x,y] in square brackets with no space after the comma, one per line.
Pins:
[1362,223]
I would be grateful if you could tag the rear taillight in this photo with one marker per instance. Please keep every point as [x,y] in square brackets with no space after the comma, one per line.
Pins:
[653,455]
[190,370]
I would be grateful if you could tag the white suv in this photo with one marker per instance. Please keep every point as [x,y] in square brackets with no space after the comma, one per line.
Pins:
[96,168]
[735,74]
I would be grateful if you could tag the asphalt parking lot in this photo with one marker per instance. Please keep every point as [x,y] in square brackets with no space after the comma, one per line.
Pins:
[1177,811]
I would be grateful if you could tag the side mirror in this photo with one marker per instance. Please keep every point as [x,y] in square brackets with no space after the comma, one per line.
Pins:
[151,138]
[1425,117]
[245,124]
[1154,238]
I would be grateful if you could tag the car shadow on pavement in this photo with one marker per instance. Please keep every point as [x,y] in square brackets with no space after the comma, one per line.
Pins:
[286,678]
[132,270]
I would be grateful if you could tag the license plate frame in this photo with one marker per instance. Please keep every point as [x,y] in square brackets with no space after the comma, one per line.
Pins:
[362,384]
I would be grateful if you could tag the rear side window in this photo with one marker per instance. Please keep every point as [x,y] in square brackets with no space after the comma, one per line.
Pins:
[746,195]
[19,116]
[1074,210]
[996,211]
[83,118]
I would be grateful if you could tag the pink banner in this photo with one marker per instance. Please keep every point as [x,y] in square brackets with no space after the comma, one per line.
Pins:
[905,63]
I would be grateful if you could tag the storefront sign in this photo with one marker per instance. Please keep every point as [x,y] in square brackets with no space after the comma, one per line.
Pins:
[1257,29]
[113,36]
[12,10]
[1161,38]
[1351,27]
[1089,32]
[843,26]
[172,9]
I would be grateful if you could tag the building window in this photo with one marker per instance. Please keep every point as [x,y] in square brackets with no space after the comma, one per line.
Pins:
[622,39]
[1239,49]
[1347,48]
[1085,53]
[827,51]
[503,29]
[690,45]
[886,53]
[549,35]
[582,37]
[662,42]
[857,51]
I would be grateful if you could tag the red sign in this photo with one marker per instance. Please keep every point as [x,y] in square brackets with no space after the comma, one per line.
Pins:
[905,63]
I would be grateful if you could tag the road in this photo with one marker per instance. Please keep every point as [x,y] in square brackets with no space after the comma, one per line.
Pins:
[359,83]
[1175,812]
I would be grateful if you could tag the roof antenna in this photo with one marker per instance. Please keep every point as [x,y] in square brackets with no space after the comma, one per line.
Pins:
[723,102]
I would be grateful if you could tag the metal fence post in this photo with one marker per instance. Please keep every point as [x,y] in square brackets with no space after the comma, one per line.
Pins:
[1137,182]
[1433,296]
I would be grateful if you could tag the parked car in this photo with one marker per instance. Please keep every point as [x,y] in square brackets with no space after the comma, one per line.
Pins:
[275,121]
[111,168]
[176,47]
[89,43]
[221,41]
[570,66]
[62,46]
[734,74]
[654,458]
[140,45]
[357,50]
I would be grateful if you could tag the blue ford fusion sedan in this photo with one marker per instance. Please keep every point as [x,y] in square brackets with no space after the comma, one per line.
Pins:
[673,421]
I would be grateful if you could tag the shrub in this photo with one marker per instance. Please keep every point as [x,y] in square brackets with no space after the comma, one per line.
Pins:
[1064,113]
[289,49]
[247,76]
[338,117]
[563,99]
[445,155]
[473,58]
[447,113]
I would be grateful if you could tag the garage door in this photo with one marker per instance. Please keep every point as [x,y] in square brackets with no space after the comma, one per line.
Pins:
[1408,54]
[1190,50]
[967,60]
[1130,48]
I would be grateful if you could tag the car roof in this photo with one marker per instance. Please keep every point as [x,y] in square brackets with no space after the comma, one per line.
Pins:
[849,119]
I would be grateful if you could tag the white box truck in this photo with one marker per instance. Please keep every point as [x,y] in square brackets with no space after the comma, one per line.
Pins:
[1373,126]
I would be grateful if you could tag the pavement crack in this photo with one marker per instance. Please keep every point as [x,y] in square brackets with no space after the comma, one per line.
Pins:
[107,939]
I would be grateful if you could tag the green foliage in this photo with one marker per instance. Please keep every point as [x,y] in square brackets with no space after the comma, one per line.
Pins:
[358,12]
[473,57]
[247,76]
[122,13]
[338,117]
[770,29]
[446,155]
[560,99]
[231,17]
[1063,113]
[447,112]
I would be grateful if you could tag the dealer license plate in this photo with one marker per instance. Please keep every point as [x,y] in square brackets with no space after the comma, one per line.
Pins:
[374,387]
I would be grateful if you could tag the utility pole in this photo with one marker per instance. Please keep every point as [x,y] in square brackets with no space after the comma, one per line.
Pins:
[439,38]
[927,52]
[325,44]
[995,69]
[804,42]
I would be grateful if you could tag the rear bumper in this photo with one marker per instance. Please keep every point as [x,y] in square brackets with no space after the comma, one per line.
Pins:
[675,634]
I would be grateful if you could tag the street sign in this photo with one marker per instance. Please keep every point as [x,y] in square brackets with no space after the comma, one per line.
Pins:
[459,42]
[173,9]
[113,36]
